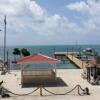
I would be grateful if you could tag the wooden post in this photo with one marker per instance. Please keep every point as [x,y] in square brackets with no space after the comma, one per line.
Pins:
[41,91]
[89,73]
[94,72]
[55,71]
[21,76]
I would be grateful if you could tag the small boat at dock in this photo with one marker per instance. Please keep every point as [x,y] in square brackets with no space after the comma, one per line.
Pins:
[90,51]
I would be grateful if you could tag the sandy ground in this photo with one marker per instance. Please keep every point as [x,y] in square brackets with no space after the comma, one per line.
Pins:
[71,77]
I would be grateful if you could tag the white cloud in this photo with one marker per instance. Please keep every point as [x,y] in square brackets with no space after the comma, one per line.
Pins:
[29,23]
[38,12]
[89,7]
[79,6]
[90,21]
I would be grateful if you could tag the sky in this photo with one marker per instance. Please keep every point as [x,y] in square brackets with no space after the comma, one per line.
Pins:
[50,22]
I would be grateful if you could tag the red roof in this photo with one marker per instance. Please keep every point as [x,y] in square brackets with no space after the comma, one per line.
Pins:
[37,58]
[94,62]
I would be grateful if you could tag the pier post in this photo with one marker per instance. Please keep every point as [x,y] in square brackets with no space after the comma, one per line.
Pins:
[89,74]
[41,91]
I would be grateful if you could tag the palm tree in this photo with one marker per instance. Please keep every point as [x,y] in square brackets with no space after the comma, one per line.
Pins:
[16,52]
[25,52]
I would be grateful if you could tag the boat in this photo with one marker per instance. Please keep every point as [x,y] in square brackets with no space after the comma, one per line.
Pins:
[90,52]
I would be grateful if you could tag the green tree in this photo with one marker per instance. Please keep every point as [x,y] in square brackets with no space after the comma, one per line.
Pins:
[25,52]
[16,52]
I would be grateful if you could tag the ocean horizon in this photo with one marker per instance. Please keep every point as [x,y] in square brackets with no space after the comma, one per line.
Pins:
[49,51]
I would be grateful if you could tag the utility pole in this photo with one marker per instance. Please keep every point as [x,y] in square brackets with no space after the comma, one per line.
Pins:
[4,40]
[2,66]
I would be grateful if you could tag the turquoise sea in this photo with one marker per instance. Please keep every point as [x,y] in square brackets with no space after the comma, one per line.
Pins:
[49,50]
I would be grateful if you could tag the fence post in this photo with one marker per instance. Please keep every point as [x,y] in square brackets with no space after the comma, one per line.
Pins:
[41,91]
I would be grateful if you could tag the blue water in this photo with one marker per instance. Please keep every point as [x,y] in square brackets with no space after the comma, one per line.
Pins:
[49,50]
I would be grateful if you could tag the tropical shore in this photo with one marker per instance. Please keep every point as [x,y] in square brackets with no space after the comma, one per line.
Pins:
[70,77]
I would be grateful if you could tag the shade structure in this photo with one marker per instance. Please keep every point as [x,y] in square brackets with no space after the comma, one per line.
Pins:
[35,75]
[37,58]
[93,62]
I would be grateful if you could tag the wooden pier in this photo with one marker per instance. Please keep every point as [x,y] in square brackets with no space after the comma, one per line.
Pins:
[76,61]
[72,58]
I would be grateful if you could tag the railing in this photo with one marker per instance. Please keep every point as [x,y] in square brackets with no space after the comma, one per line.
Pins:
[41,88]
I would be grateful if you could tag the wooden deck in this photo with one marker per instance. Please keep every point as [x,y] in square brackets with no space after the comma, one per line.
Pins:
[72,58]
[76,61]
